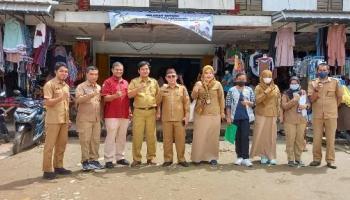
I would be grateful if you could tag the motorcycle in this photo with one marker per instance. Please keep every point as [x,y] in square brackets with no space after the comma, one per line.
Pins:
[29,124]
[5,102]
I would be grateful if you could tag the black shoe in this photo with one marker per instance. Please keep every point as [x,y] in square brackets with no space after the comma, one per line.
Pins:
[95,164]
[291,163]
[150,162]
[213,162]
[109,165]
[62,171]
[184,164]
[331,165]
[123,162]
[136,163]
[315,163]
[49,175]
[167,164]
[86,166]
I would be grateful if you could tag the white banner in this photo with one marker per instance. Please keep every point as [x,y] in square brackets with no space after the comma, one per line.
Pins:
[199,23]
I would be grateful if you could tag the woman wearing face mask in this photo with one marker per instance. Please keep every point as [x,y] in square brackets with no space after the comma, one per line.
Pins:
[239,102]
[209,110]
[294,121]
[265,128]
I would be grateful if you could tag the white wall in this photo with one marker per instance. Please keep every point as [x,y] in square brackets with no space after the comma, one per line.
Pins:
[278,5]
[346,5]
[207,4]
[158,49]
[129,3]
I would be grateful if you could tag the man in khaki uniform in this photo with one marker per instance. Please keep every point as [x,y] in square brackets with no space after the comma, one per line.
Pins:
[88,100]
[325,95]
[56,94]
[175,104]
[144,90]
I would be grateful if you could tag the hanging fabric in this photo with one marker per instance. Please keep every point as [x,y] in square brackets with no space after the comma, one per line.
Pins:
[14,41]
[284,47]
[321,41]
[336,40]
[2,61]
[39,35]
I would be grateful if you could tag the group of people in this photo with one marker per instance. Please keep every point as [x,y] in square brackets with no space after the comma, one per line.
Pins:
[171,104]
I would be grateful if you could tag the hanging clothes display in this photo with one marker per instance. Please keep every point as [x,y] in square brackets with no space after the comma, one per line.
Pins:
[14,41]
[39,35]
[253,62]
[80,52]
[284,47]
[336,40]
[265,63]
[72,70]
[321,41]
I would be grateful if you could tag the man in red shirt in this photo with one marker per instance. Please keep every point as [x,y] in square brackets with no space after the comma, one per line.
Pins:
[116,115]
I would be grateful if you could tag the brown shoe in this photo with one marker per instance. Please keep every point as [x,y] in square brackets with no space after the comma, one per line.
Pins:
[136,163]
[150,162]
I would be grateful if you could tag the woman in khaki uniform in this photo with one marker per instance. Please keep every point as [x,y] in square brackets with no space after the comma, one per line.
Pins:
[267,110]
[294,121]
[209,110]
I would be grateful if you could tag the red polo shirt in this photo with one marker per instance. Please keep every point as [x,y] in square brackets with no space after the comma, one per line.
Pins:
[119,107]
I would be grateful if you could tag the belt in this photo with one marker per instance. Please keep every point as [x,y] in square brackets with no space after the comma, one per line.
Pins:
[149,108]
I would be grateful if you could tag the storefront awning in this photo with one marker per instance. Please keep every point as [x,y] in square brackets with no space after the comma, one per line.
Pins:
[27,8]
[310,16]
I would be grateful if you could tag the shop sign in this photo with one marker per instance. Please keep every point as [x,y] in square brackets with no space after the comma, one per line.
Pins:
[201,24]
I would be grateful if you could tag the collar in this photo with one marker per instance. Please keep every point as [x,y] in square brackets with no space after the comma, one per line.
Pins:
[116,80]
[168,86]
[90,84]
[329,79]
[146,80]
[55,80]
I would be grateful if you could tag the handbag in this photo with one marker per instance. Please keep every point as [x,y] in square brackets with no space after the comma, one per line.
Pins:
[230,133]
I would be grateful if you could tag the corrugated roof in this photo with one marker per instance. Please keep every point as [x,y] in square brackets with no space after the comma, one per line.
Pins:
[26,8]
[310,16]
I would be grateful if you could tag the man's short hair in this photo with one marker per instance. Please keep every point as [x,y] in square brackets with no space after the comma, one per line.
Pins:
[322,65]
[116,64]
[240,74]
[59,65]
[142,63]
[91,68]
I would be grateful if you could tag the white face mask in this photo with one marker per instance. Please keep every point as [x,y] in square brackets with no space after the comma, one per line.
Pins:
[267,80]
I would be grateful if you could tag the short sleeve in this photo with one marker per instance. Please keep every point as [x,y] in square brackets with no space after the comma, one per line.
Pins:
[48,93]
[106,88]
[131,86]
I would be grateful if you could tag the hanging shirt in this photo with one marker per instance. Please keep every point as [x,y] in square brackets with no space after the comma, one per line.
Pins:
[265,63]
[2,61]
[40,35]
[336,40]
[13,37]
[284,47]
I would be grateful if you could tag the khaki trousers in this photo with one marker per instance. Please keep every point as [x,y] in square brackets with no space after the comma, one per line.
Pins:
[89,137]
[328,126]
[144,124]
[116,138]
[55,140]
[294,140]
[174,131]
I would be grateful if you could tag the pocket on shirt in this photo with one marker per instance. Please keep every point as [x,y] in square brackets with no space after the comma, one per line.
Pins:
[330,93]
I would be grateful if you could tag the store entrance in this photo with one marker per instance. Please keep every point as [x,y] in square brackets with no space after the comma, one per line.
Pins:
[187,67]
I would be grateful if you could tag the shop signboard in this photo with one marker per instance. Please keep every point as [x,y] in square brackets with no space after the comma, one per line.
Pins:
[201,24]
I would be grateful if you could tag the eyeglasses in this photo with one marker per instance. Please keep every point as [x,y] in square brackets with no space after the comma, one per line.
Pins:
[171,76]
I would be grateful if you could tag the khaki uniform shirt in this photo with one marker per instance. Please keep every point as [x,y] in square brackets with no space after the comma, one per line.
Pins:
[175,102]
[59,113]
[326,106]
[147,97]
[267,105]
[217,100]
[90,109]
[290,111]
